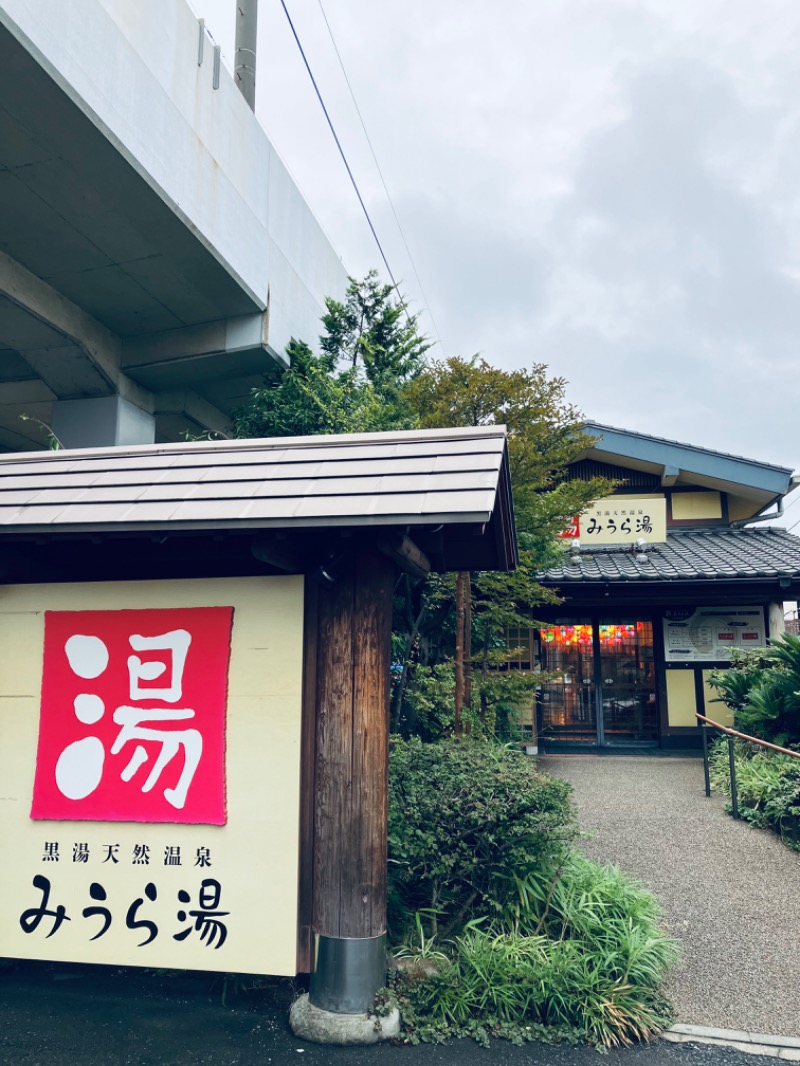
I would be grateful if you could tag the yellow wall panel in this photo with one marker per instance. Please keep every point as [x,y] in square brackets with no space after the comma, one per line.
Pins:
[688,505]
[254,855]
[681,700]
[718,711]
[637,494]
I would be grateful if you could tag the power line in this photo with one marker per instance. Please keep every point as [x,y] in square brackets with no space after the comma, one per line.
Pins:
[797,523]
[380,173]
[344,157]
[793,502]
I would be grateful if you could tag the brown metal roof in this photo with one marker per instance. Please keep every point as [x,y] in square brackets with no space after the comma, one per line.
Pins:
[422,478]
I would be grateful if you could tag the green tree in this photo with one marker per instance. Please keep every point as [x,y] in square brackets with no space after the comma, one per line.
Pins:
[312,397]
[370,349]
[544,435]
[371,375]
[375,331]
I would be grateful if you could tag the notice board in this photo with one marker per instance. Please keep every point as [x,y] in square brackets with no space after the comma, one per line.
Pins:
[709,634]
[150,763]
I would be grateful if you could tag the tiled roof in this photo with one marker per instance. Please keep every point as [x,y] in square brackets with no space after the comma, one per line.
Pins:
[721,554]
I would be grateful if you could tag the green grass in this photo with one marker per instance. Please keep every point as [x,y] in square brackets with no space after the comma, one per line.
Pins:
[583,958]
[768,787]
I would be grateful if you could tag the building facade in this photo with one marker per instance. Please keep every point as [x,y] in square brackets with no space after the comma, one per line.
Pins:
[644,620]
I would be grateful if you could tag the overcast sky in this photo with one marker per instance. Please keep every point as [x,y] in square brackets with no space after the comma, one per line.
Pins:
[611,187]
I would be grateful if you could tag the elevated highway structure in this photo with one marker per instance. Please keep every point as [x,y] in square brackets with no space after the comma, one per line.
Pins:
[155,255]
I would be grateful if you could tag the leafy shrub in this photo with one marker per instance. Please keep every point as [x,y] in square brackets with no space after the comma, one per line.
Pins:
[430,701]
[499,698]
[763,690]
[469,823]
[517,935]
[767,784]
[735,682]
[595,976]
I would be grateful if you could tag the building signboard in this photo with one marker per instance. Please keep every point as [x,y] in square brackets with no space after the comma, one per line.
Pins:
[573,530]
[151,773]
[622,520]
[709,634]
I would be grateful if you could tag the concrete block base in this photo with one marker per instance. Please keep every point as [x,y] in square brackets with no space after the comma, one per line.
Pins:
[326,1027]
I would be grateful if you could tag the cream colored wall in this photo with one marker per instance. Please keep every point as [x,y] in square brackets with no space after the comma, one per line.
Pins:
[776,619]
[255,855]
[681,700]
[637,494]
[719,712]
[688,505]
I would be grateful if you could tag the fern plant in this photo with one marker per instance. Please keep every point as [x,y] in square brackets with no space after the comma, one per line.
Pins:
[763,691]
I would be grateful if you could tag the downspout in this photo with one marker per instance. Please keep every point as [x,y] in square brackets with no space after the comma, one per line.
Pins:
[794,481]
[761,517]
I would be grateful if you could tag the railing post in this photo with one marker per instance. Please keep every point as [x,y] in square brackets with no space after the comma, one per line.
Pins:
[704,730]
[732,766]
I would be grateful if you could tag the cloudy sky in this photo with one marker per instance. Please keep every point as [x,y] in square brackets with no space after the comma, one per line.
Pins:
[611,187]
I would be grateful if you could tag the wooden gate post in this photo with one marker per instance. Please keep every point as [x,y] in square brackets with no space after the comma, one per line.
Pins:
[353,629]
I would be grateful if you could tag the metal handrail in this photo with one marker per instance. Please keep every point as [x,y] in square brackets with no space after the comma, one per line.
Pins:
[731,734]
[745,736]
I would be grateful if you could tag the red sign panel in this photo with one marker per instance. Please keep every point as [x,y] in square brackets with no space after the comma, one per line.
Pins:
[573,530]
[132,719]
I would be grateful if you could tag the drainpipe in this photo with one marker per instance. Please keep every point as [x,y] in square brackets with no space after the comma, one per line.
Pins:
[794,482]
[244,62]
[761,517]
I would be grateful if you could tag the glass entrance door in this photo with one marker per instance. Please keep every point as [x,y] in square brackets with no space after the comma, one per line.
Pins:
[627,682]
[568,701]
[602,687]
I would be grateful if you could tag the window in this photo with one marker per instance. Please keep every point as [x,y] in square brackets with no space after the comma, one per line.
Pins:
[518,643]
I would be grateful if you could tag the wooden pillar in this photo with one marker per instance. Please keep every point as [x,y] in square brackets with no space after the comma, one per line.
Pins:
[459,663]
[353,628]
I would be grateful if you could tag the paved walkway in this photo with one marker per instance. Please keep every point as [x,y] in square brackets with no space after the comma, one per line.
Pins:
[730,893]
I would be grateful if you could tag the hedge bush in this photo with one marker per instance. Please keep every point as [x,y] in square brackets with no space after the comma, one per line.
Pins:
[469,824]
[595,973]
[504,928]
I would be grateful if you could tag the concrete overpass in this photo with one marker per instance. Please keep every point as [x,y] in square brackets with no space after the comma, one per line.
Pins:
[155,255]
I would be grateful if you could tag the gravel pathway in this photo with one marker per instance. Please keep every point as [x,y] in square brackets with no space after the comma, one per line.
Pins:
[730,893]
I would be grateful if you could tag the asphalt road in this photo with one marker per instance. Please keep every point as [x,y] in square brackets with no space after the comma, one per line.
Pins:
[58,1015]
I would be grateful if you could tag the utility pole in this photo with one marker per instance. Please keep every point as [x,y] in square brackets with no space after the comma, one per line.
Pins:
[244,62]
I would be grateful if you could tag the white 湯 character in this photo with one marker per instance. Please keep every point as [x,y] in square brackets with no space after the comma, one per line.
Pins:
[177,642]
[79,768]
[138,724]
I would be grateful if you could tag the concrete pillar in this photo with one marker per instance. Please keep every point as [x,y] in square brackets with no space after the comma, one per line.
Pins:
[101,422]
[776,624]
